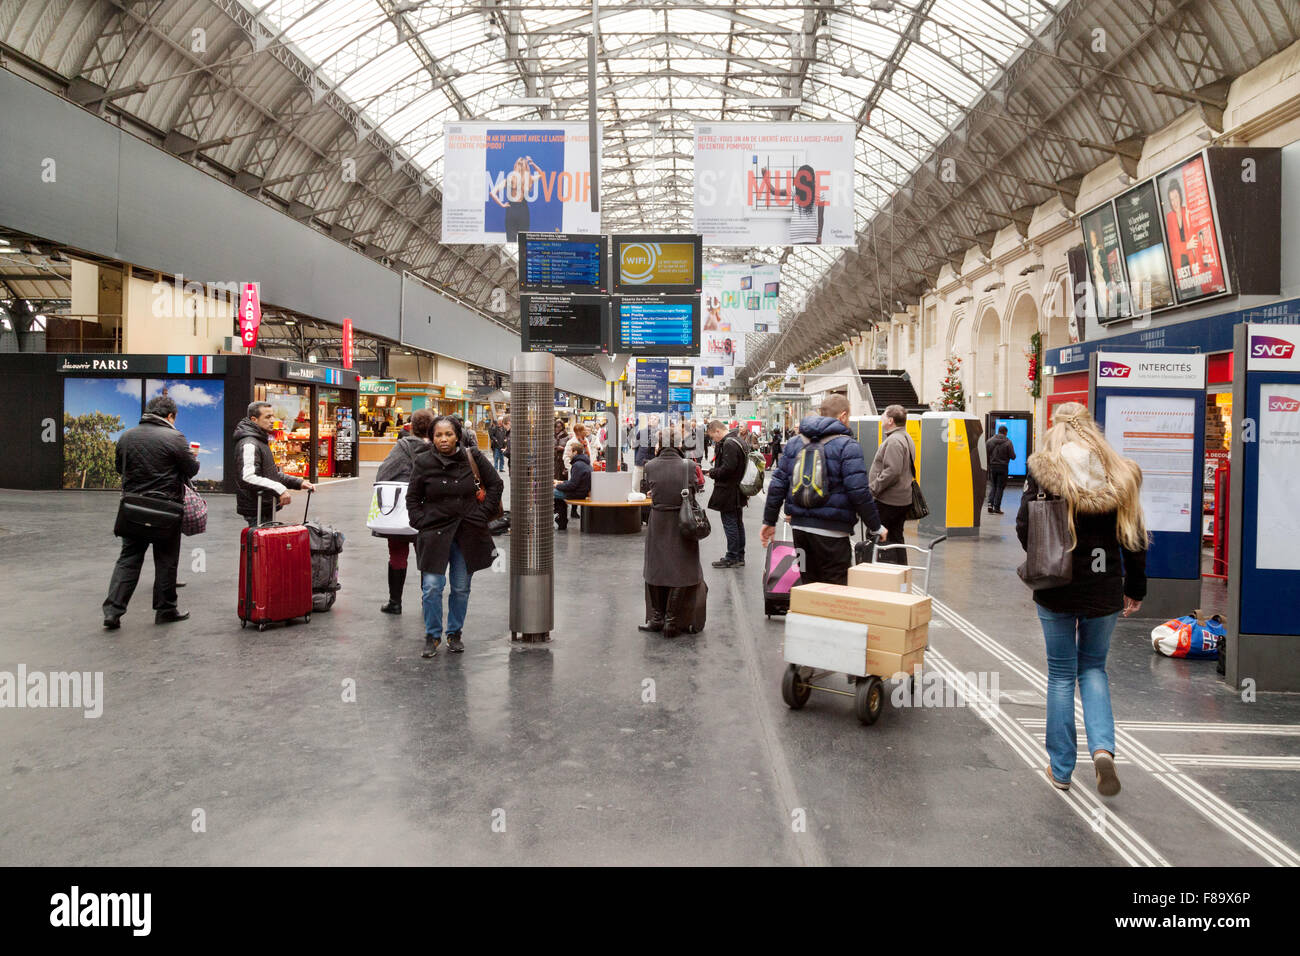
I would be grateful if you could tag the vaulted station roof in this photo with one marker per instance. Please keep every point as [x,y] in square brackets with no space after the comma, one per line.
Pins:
[1024,95]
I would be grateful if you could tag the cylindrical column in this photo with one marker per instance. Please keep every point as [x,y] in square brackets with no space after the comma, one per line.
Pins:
[532,500]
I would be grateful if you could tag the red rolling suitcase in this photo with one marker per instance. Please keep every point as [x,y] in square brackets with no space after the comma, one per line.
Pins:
[274,572]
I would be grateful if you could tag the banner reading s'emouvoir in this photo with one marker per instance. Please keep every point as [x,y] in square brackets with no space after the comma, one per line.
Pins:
[774,184]
[501,179]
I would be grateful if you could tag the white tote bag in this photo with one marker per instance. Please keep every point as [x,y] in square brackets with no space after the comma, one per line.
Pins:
[388,509]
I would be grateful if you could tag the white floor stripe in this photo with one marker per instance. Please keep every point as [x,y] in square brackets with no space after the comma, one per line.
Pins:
[1234,761]
[1121,837]
[1213,808]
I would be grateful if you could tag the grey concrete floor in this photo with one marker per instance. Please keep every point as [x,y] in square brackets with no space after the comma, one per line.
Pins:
[550,755]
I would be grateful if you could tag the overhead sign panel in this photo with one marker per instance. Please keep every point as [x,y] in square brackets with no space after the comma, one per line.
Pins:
[503,179]
[1147,370]
[657,263]
[774,184]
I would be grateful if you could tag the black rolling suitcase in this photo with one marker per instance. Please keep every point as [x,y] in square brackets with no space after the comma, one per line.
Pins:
[865,547]
[694,605]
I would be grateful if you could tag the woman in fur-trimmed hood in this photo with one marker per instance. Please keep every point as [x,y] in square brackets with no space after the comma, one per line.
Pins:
[1108,535]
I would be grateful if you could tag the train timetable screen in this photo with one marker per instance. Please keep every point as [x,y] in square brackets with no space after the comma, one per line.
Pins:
[563,324]
[664,327]
[553,263]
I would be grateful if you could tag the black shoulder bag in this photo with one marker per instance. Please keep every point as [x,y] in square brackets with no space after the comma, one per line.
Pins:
[146,517]
[692,520]
[918,509]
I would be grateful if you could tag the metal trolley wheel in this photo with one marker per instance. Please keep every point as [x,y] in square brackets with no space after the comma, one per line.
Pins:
[794,691]
[869,699]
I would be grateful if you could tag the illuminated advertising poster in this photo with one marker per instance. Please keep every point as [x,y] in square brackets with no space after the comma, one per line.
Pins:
[1140,236]
[1105,264]
[1159,434]
[774,184]
[657,264]
[1279,463]
[501,179]
[1190,231]
[741,298]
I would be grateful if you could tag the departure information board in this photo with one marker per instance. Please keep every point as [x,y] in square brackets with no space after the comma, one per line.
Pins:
[660,325]
[554,262]
[564,324]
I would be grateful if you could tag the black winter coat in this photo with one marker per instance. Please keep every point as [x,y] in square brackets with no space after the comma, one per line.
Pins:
[1090,593]
[441,506]
[1001,452]
[578,484]
[728,470]
[670,560]
[154,459]
[258,473]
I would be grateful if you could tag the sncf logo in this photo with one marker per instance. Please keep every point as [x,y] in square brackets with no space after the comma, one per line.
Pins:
[1270,347]
[1112,370]
[1280,403]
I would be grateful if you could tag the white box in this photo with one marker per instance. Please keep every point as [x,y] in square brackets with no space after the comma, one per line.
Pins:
[826,643]
[611,486]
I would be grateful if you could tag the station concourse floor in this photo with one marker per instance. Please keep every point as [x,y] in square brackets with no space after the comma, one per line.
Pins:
[555,745]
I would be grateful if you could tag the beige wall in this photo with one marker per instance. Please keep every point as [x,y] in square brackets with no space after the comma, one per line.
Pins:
[1001,307]
[162,318]
[428,368]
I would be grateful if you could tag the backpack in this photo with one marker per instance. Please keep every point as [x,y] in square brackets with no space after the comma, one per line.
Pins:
[810,479]
[751,482]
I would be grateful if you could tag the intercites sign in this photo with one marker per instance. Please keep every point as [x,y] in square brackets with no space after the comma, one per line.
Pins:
[1150,370]
[250,314]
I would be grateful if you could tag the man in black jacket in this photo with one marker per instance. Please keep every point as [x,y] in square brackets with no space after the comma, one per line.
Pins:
[255,465]
[1000,453]
[728,469]
[154,459]
[577,487]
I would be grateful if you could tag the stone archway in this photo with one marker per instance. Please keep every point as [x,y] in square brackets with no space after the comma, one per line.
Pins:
[987,362]
[1024,320]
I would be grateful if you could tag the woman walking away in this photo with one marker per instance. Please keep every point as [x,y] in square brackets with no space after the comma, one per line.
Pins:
[398,466]
[453,494]
[672,562]
[1109,540]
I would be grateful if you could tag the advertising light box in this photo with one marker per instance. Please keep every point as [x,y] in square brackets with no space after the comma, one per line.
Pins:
[657,263]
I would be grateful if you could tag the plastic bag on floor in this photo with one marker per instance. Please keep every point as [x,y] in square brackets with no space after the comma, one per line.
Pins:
[1192,636]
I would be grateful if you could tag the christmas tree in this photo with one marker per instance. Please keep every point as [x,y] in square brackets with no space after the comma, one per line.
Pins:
[953,398]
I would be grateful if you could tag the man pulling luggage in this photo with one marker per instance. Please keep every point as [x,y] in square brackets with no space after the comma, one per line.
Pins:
[258,474]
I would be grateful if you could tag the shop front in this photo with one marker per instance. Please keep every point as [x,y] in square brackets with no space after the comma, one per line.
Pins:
[387,405]
[79,405]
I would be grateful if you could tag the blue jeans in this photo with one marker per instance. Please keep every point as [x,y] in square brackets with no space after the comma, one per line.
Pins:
[1077,657]
[498,459]
[734,526]
[431,586]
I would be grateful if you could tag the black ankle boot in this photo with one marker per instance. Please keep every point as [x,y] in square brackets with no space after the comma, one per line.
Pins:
[655,620]
[673,612]
[396,581]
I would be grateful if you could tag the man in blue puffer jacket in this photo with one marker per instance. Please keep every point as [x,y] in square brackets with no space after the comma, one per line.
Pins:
[578,486]
[824,534]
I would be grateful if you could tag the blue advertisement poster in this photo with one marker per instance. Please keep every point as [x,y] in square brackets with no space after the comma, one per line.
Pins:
[200,415]
[95,413]
[524,165]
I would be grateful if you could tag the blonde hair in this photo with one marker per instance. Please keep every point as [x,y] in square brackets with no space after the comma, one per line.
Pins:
[1072,422]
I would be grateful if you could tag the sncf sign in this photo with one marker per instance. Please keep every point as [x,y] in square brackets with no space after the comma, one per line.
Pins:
[1281,403]
[1273,348]
[1270,347]
[1113,370]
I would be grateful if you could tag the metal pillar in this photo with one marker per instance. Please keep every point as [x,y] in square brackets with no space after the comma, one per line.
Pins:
[532,475]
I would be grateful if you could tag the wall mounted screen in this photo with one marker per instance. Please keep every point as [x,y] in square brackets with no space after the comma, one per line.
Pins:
[564,324]
[554,262]
[659,325]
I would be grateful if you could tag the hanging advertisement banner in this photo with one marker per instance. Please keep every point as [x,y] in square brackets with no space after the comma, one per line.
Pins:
[1145,257]
[1106,283]
[722,348]
[347,343]
[501,179]
[741,298]
[1191,232]
[250,313]
[774,184]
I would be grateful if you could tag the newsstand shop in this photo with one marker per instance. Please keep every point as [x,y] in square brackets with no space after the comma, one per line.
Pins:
[67,412]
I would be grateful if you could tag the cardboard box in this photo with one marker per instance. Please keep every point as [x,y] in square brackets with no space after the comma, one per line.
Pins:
[842,646]
[887,608]
[896,640]
[881,577]
[886,665]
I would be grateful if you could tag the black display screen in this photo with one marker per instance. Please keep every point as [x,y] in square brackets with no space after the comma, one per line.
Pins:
[557,262]
[563,324]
